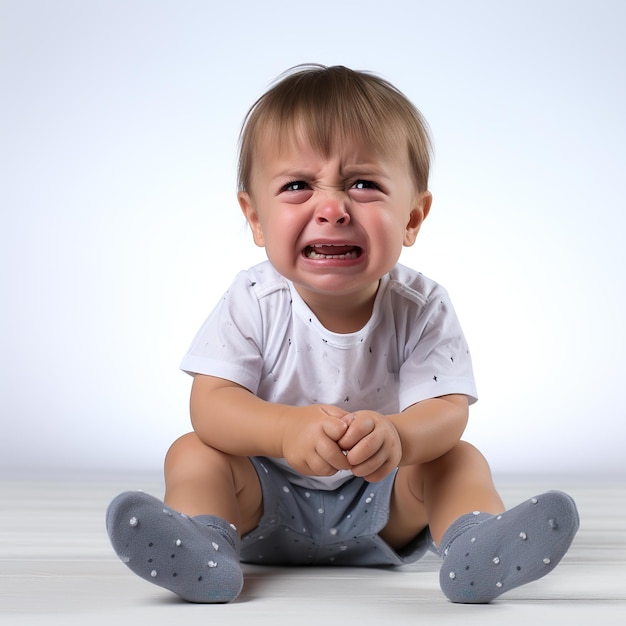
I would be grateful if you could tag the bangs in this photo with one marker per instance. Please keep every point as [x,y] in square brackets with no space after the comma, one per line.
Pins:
[327,107]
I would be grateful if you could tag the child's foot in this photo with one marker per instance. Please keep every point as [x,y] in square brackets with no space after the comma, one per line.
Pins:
[487,555]
[196,558]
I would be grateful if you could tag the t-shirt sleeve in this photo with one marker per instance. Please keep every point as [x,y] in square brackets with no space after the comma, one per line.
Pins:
[437,357]
[229,343]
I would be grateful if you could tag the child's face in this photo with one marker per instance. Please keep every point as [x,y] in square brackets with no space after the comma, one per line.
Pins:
[332,225]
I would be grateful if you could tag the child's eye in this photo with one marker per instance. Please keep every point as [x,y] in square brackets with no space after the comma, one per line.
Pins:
[295,185]
[365,184]
[365,190]
[295,192]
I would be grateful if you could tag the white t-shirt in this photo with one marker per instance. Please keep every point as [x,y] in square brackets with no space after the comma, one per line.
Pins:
[264,337]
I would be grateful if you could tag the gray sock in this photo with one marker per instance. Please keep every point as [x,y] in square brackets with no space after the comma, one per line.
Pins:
[197,558]
[487,555]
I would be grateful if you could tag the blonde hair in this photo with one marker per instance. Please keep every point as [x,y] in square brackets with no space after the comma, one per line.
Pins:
[331,104]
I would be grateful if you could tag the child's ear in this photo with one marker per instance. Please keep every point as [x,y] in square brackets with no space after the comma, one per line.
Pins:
[247,206]
[418,215]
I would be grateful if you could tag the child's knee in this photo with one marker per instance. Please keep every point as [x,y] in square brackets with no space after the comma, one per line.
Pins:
[464,453]
[462,460]
[182,447]
[188,454]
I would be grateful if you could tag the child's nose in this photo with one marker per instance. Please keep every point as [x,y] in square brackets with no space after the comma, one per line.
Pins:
[332,211]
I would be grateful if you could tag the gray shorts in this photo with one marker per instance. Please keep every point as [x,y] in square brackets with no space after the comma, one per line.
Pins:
[303,526]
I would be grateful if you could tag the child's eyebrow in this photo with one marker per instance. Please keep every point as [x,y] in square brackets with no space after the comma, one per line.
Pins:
[350,171]
[295,172]
[366,170]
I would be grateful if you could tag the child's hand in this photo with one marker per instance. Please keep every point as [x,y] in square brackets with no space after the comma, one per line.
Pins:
[310,440]
[372,444]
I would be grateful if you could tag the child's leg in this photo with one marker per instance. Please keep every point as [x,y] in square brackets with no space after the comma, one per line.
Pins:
[200,480]
[437,493]
[190,545]
[486,551]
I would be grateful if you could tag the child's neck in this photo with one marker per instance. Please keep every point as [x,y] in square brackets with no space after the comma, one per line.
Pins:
[342,314]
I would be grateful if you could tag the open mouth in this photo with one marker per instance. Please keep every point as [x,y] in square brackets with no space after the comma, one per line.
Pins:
[332,251]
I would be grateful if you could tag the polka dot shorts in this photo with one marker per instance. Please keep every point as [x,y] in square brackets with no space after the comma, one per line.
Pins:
[303,526]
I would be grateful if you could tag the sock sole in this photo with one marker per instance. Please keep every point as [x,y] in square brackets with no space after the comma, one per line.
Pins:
[519,546]
[193,560]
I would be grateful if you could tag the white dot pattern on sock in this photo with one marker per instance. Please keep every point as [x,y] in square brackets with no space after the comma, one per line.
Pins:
[148,536]
[496,556]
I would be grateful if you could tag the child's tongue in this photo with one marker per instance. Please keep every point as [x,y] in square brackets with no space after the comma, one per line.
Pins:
[333,249]
[326,250]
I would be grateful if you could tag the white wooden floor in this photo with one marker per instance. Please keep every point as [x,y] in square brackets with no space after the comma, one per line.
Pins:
[56,567]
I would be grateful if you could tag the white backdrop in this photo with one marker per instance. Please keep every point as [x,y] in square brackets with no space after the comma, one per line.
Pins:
[120,228]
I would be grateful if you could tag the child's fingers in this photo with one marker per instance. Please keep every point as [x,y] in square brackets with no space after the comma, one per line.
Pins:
[359,426]
[348,418]
[365,450]
[371,464]
[334,411]
[327,447]
[333,455]
[334,429]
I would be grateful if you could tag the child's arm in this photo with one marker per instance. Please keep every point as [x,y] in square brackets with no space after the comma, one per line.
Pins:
[377,443]
[230,418]
[431,428]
